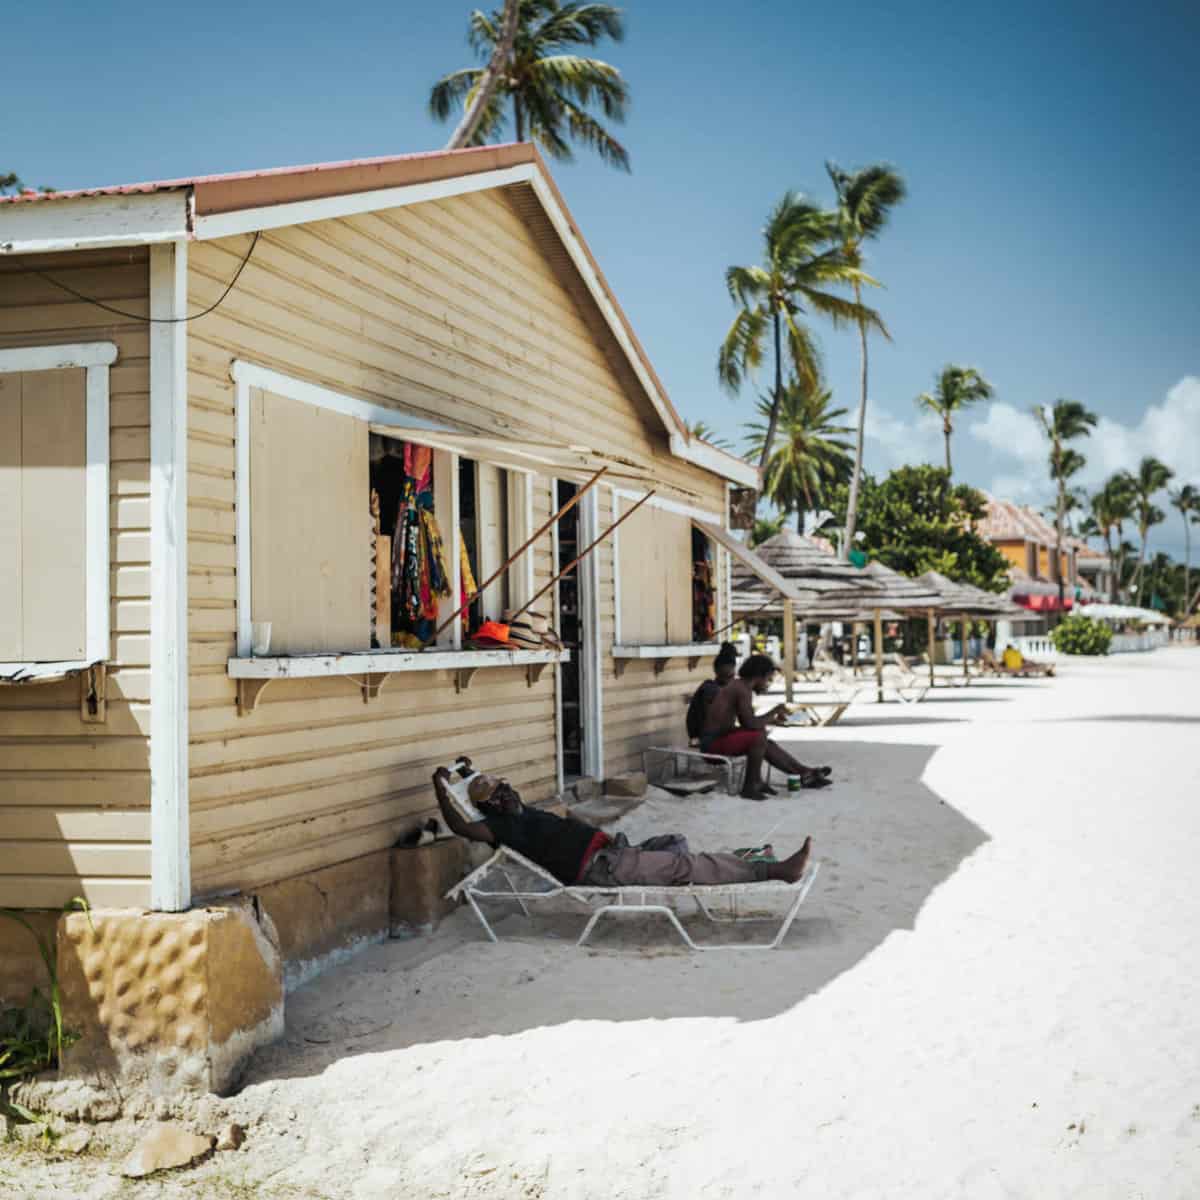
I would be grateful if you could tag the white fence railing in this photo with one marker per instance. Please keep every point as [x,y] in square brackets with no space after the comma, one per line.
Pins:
[1131,643]
[1040,649]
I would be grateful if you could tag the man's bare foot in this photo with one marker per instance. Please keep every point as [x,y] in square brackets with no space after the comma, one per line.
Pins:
[791,869]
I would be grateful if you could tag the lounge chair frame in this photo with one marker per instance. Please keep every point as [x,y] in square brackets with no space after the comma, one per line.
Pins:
[635,900]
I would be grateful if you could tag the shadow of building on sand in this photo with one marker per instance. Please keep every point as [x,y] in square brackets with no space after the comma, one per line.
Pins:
[885,840]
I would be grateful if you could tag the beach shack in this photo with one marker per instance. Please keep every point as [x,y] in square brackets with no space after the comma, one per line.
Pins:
[262,436]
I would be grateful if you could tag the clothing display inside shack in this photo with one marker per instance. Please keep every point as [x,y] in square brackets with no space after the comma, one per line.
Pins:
[704,588]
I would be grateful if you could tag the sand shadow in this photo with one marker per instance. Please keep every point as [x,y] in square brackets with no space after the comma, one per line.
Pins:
[1135,718]
[884,851]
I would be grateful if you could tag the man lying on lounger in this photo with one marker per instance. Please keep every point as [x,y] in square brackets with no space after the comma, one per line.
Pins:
[733,728]
[575,852]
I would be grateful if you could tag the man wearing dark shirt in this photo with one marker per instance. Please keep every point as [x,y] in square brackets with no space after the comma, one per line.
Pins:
[575,852]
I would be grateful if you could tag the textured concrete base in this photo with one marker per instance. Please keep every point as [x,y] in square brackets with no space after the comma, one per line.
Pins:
[325,916]
[168,1002]
[421,876]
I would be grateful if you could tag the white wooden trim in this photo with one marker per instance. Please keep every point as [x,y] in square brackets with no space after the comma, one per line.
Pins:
[79,222]
[255,376]
[247,375]
[445,507]
[328,208]
[385,662]
[558,684]
[97,582]
[94,358]
[242,515]
[691,650]
[58,358]
[589,611]
[528,557]
[719,462]
[170,851]
[669,505]
[616,553]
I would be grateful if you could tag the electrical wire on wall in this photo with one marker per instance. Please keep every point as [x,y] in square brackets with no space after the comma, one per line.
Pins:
[58,283]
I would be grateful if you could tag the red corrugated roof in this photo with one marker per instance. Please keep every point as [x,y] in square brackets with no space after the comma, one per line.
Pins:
[166,185]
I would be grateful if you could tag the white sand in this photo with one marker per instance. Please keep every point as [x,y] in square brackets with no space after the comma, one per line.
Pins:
[991,992]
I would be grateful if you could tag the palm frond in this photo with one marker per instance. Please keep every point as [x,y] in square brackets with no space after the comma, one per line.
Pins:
[747,285]
[804,352]
[589,132]
[580,25]
[866,198]
[585,80]
[448,94]
[483,32]
[741,352]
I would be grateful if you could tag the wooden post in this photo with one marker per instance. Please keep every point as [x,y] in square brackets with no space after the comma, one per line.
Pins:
[789,650]
[878,656]
[965,630]
[932,642]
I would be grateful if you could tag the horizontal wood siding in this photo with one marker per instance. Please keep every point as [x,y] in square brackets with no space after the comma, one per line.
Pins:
[450,310]
[74,797]
[641,709]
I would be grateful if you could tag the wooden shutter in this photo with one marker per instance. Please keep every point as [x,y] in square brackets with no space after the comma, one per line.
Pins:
[43,515]
[309,540]
[675,537]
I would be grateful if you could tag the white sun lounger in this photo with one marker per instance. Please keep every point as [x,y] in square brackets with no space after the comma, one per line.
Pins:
[633,900]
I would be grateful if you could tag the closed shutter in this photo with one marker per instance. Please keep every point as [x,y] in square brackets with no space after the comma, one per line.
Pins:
[655,571]
[43,515]
[309,538]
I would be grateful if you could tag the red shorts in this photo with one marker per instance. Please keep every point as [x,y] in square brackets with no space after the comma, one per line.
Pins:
[733,744]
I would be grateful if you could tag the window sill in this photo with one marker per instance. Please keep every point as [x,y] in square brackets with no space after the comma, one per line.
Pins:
[659,655]
[43,672]
[371,668]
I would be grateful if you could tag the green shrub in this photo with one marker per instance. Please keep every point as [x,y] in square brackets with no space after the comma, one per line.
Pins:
[1078,634]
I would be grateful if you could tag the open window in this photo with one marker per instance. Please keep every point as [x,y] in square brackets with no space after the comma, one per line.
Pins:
[54,573]
[357,536]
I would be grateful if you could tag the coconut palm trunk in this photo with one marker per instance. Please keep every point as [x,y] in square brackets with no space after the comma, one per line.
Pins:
[946,432]
[855,479]
[773,420]
[465,132]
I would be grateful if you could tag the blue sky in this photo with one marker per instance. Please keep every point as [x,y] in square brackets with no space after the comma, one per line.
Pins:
[1050,237]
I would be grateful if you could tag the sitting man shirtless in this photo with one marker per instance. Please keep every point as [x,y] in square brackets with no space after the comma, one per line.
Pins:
[575,852]
[733,728]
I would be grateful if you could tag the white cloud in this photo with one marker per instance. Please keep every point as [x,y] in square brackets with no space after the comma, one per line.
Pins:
[903,440]
[1169,431]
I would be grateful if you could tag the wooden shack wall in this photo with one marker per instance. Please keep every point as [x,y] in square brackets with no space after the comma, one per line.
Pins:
[450,309]
[75,797]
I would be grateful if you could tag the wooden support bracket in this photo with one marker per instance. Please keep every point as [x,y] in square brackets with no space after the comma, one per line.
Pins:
[533,672]
[463,677]
[660,665]
[93,695]
[619,665]
[248,692]
[372,685]
[693,662]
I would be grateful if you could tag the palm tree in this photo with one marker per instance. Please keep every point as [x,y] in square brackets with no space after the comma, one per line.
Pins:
[706,433]
[800,263]
[1150,478]
[1111,507]
[865,199]
[956,388]
[1067,420]
[550,86]
[1187,500]
[811,456]
[766,527]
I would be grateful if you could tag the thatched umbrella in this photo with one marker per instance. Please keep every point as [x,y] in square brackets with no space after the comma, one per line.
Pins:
[967,601]
[896,592]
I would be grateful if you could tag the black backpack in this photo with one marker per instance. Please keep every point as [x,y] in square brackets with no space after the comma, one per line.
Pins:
[698,707]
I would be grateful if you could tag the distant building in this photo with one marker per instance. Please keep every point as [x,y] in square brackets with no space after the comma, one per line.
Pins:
[1028,541]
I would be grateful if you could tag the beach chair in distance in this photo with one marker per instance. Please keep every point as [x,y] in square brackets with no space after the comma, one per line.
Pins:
[817,713]
[527,883]
[1027,670]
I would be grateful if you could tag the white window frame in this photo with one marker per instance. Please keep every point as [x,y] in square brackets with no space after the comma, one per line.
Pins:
[619,649]
[94,358]
[380,418]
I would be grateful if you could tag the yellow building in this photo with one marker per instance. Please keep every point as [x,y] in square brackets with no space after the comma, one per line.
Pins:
[207,389]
